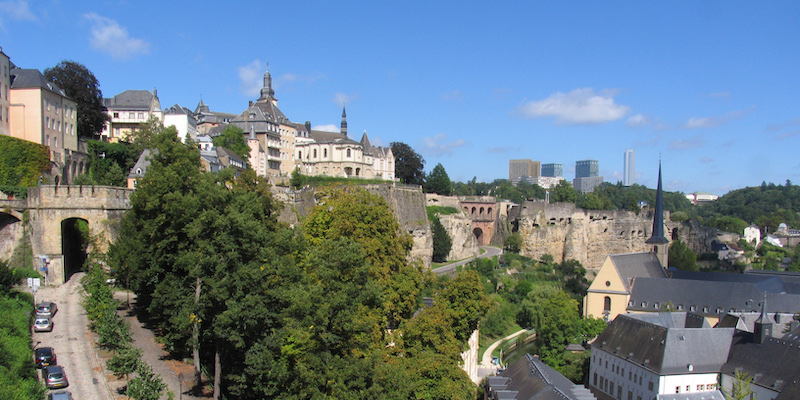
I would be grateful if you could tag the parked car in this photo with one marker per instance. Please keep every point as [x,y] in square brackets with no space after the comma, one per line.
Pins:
[54,377]
[44,356]
[46,309]
[60,396]
[43,324]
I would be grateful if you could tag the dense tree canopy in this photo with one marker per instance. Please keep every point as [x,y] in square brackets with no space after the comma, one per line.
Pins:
[408,164]
[681,256]
[81,85]
[232,138]
[767,206]
[438,182]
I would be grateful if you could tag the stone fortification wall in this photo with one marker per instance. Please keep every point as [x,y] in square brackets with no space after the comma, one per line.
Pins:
[406,202]
[79,197]
[589,236]
[10,235]
[433,199]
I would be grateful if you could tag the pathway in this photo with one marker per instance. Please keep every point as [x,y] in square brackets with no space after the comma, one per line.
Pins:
[490,251]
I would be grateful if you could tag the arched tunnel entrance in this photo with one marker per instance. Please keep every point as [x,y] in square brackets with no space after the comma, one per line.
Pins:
[478,232]
[74,242]
[13,245]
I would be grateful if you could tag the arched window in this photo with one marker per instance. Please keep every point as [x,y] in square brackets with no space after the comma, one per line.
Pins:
[348,153]
[300,155]
[315,153]
[607,304]
[325,153]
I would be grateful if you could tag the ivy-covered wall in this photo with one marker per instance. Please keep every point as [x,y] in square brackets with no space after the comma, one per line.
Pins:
[21,164]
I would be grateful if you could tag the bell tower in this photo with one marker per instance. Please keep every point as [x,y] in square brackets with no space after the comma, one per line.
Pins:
[659,244]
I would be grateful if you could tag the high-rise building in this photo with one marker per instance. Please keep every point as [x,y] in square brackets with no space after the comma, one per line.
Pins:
[552,170]
[520,168]
[629,172]
[586,168]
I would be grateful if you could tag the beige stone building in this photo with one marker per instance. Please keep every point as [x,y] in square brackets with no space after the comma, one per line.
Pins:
[5,89]
[127,110]
[41,112]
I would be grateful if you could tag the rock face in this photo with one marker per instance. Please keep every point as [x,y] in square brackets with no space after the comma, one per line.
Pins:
[567,232]
[10,235]
[407,204]
[459,227]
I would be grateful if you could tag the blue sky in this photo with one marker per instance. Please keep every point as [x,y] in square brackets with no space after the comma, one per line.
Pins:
[709,87]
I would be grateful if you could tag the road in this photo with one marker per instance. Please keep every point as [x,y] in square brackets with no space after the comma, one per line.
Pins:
[486,368]
[72,341]
[490,251]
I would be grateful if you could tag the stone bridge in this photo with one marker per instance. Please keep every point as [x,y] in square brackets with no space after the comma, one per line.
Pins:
[483,211]
[51,216]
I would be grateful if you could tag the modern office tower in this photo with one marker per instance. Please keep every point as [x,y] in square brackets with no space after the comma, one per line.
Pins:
[552,170]
[629,174]
[586,168]
[520,168]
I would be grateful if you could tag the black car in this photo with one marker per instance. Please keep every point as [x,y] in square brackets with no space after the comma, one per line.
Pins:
[44,356]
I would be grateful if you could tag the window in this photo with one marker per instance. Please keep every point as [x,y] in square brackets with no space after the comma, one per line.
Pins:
[141,115]
[47,122]
[348,153]
[315,153]
[59,126]
[131,115]
[619,391]
[607,303]
[116,115]
[650,385]
[594,379]
[677,389]
[55,141]
[56,107]
[700,388]
[688,387]
[47,104]
[630,395]
[325,153]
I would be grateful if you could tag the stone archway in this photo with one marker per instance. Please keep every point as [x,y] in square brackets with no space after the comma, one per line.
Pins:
[478,232]
[74,242]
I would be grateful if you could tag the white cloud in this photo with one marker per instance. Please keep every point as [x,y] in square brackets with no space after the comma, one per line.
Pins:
[716,120]
[342,99]
[111,38]
[454,95]
[17,10]
[639,120]
[686,144]
[578,107]
[251,78]
[438,144]
[326,128]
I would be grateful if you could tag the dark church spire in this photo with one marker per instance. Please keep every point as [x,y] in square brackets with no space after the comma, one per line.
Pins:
[762,329]
[266,90]
[657,240]
[344,122]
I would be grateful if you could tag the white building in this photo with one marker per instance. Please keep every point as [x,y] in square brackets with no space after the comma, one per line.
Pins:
[127,111]
[641,356]
[183,120]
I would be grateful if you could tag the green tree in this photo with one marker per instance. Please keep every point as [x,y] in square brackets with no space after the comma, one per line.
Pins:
[408,164]
[742,387]
[438,182]
[297,180]
[147,385]
[441,241]
[729,224]
[22,163]
[233,139]
[125,361]
[513,243]
[81,85]
[355,213]
[681,256]
[563,192]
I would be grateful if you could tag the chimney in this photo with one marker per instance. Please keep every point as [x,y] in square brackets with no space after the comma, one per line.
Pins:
[308,126]
[250,103]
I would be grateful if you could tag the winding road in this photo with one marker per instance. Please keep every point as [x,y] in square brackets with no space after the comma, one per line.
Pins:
[489,251]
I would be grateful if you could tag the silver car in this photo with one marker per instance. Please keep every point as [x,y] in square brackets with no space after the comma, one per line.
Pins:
[55,377]
[43,324]
[60,396]
[46,309]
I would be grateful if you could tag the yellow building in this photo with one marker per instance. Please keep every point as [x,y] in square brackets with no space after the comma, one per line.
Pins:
[610,292]
[41,112]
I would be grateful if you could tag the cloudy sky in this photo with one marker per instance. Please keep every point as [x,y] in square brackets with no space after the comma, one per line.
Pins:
[712,88]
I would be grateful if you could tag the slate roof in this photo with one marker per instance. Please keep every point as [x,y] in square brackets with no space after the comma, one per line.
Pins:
[331,137]
[130,100]
[32,78]
[773,364]
[664,350]
[711,297]
[178,110]
[530,379]
[634,266]
[140,168]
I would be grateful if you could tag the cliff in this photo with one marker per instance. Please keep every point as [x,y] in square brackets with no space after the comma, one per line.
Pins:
[406,202]
[589,236]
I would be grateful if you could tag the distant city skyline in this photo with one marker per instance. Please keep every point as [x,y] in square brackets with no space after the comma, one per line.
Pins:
[711,87]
